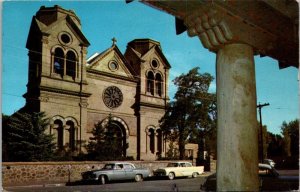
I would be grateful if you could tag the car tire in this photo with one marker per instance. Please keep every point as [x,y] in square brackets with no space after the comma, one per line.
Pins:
[102,179]
[138,178]
[171,176]
[194,175]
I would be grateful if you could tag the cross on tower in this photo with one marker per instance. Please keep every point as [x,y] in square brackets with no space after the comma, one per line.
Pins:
[114,40]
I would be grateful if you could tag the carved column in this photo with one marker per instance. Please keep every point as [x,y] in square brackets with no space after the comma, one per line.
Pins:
[237,162]
[237,125]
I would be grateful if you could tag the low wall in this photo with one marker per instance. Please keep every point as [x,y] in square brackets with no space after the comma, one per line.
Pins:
[22,173]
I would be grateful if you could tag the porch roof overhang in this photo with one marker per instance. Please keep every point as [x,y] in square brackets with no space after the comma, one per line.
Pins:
[269,26]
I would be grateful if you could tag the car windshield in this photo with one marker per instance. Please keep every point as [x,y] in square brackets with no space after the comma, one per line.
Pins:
[172,165]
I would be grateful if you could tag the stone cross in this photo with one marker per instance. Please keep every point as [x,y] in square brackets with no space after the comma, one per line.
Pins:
[114,40]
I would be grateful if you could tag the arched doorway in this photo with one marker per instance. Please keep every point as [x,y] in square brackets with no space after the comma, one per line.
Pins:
[117,133]
[118,137]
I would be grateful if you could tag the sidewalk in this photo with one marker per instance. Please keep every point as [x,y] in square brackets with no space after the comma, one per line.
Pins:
[31,185]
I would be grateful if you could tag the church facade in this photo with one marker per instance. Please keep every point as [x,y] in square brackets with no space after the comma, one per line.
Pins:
[77,92]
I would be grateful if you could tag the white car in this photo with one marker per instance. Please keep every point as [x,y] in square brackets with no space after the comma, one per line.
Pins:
[269,162]
[179,169]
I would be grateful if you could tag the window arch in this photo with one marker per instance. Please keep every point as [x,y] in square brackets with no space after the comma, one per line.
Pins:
[58,63]
[64,63]
[159,140]
[71,129]
[58,125]
[150,82]
[71,64]
[158,84]
[152,140]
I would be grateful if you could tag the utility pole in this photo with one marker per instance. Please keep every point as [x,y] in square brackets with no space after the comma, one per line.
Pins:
[259,106]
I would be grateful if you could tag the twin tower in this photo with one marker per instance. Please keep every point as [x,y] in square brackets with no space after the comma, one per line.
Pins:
[76,92]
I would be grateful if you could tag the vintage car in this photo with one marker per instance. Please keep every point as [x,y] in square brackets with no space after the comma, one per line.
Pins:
[179,169]
[270,180]
[270,162]
[116,171]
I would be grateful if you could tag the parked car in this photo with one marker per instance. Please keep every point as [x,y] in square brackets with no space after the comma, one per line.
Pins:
[270,180]
[270,162]
[179,169]
[116,171]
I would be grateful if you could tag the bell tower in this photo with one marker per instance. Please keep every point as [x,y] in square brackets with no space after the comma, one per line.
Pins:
[57,56]
[57,81]
[146,57]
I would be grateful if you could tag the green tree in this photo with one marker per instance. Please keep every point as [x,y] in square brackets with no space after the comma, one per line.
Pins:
[105,144]
[275,145]
[96,143]
[189,111]
[26,139]
[5,119]
[290,132]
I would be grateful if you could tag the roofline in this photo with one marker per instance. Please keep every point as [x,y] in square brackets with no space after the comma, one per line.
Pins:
[145,39]
[60,9]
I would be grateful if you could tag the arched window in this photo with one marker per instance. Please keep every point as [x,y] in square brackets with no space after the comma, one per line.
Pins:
[58,63]
[71,129]
[158,84]
[152,140]
[71,64]
[150,82]
[159,141]
[58,125]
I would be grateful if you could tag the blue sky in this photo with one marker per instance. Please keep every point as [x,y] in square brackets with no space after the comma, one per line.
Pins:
[103,20]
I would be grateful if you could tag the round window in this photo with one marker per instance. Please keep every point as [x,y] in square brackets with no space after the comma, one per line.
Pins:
[154,63]
[65,38]
[112,97]
[113,66]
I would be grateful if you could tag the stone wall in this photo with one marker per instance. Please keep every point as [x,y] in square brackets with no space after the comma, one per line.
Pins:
[22,173]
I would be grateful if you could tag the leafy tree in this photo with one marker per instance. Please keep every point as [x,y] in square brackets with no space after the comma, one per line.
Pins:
[5,119]
[172,151]
[26,139]
[290,132]
[96,143]
[189,112]
[275,145]
[105,143]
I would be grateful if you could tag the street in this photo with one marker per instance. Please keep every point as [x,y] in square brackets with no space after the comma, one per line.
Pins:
[184,184]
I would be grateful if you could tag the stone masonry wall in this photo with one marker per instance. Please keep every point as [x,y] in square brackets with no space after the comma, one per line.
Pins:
[22,173]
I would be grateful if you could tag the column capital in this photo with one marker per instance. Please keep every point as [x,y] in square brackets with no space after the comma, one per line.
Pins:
[270,27]
[207,23]
[217,26]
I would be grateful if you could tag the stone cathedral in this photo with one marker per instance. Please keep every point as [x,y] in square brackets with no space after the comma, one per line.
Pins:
[76,92]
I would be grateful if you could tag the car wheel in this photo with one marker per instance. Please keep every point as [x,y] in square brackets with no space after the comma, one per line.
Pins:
[138,178]
[102,179]
[195,174]
[171,176]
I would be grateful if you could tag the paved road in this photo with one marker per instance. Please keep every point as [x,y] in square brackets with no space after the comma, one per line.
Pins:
[186,184]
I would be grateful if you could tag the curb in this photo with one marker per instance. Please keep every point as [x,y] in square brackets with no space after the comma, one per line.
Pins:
[37,185]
